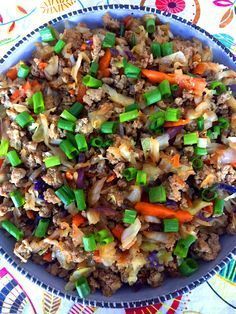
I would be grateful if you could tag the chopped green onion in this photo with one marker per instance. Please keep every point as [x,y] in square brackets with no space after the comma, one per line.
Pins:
[197,164]
[14,158]
[133,40]
[82,287]
[165,90]
[17,198]
[65,194]
[129,216]
[219,87]
[12,229]
[23,119]
[71,137]
[128,116]
[92,82]
[52,161]
[122,30]
[223,123]
[183,246]
[42,228]
[103,237]
[209,194]
[107,143]
[200,123]
[213,134]
[38,102]
[23,71]
[202,142]
[96,142]
[174,87]
[166,49]
[81,142]
[152,96]
[131,70]
[188,267]
[157,120]
[94,68]
[89,243]
[109,40]
[141,177]
[69,150]
[218,207]
[59,46]
[130,173]
[76,108]
[68,116]
[150,26]
[156,49]
[109,127]
[47,34]
[200,151]
[171,225]
[172,114]
[4,145]
[157,194]
[190,138]
[131,107]
[66,125]
[80,199]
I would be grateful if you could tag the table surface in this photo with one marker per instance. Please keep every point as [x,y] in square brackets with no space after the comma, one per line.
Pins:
[217,295]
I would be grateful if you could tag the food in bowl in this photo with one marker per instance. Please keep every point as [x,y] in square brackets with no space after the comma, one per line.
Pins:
[118,154]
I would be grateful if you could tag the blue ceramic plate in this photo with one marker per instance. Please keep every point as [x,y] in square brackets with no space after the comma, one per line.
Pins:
[125,297]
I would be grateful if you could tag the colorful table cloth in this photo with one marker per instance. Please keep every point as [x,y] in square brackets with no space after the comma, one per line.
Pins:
[217,295]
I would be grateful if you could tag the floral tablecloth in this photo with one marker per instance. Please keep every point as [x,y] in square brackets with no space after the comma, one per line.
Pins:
[217,295]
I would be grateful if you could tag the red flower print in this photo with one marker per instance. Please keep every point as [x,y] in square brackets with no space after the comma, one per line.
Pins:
[171,6]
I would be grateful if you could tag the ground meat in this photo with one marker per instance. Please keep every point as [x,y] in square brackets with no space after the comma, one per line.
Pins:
[31,147]
[5,207]
[93,95]
[6,188]
[72,36]
[51,197]
[53,177]
[110,23]
[15,136]
[231,228]
[31,160]
[83,126]
[175,186]
[155,278]
[226,174]
[118,169]
[23,250]
[172,269]
[97,46]
[93,284]
[191,126]
[205,177]
[45,211]
[17,174]
[207,246]
[108,281]
[120,81]
[137,88]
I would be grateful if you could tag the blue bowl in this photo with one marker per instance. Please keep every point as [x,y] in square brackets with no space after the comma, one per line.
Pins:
[125,297]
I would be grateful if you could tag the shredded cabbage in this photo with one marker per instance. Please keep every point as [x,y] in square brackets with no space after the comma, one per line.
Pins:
[117,97]
[129,235]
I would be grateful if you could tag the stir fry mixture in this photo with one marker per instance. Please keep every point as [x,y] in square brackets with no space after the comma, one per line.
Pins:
[118,154]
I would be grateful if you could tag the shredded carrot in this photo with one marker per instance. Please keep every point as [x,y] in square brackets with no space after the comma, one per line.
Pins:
[81,92]
[15,95]
[69,175]
[1,162]
[35,86]
[26,86]
[127,20]
[111,178]
[175,160]
[96,257]
[71,92]
[170,124]
[47,257]
[117,231]
[104,64]
[202,67]
[12,74]
[83,47]
[162,212]
[194,84]
[233,164]
[42,65]
[208,209]
[30,214]
[78,220]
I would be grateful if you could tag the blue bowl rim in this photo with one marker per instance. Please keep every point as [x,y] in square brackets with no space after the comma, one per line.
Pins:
[112,304]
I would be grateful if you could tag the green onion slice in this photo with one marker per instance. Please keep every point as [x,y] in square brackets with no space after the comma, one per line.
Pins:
[80,199]
[152,96]
[157,194]
[59,46]
[183,246]
[188,267]
[156,50]
[82,287]
[141,177]
[17,198]
[89,243]
[171,225]
[65,194]
[109,40]
[23,119]
[12,229]
[81,142]
[128,116]
[38,102]
[91,82]
[69,150]
[109,127]
[129,216]
[23,71]
[42,228]
[47,34]
[14,158]
[52,161]
[4,145]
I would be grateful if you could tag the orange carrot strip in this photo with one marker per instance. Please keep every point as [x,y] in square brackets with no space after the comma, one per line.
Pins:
[83,47]
[12,74]
[42,65]
[111,178]
[175,160]
[162,212]
[78,220]
[15,95]
[47,257]
[1,162]
[96,257]
[81,92]
[202,67]
[105,60]
[208,209]
[170,124]
[195,84]
[30,214]
[26,86]
[117,231]
[69,175]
